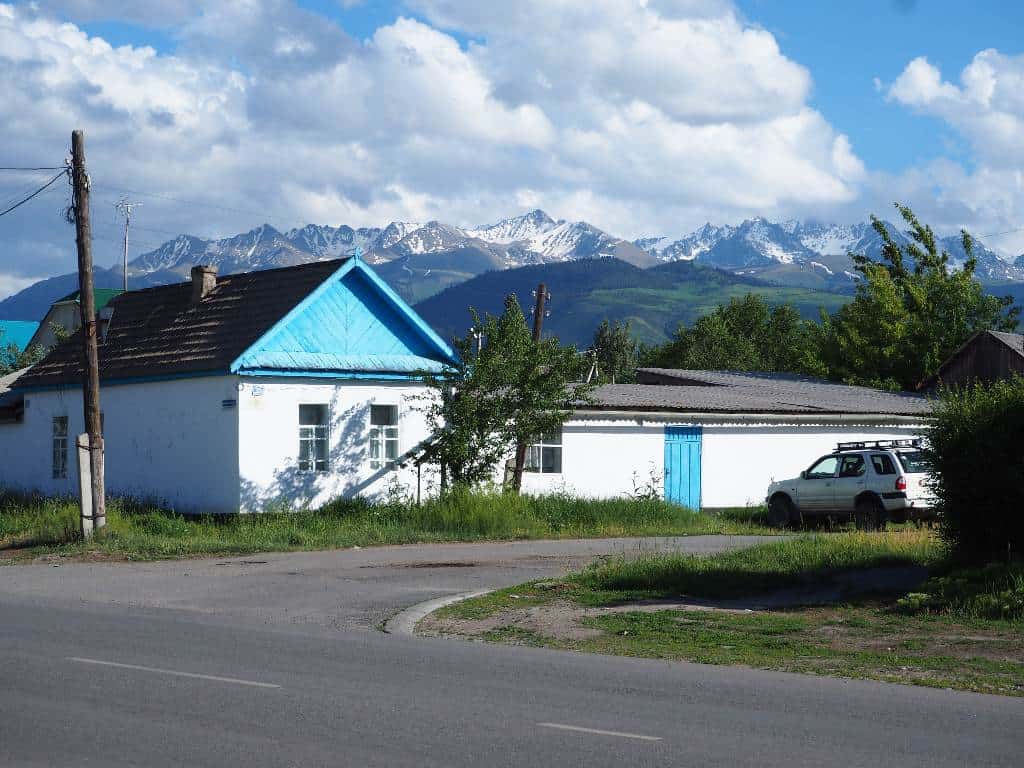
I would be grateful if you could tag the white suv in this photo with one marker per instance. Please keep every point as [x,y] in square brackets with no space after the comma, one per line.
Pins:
[872,482]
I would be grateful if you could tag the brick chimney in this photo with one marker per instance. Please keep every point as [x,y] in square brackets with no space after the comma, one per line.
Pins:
[204,280]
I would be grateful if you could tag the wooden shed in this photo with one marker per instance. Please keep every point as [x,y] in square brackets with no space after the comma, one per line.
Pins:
[986,357]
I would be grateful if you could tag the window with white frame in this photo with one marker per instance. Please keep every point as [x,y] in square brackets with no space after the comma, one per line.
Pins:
[314,437]
[545,456]
[60,447]
[383,435]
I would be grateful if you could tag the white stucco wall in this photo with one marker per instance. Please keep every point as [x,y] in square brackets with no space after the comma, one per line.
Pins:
[172,442]
[268,410]
[605,458]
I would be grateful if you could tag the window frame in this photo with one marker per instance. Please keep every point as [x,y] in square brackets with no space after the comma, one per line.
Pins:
[59,448]
[881,458]
[534,463]
[840,470]
[316,435]
[809,475]
[382,436]
[913,462]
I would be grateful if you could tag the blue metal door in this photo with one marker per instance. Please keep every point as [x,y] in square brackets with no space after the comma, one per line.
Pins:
[682,465]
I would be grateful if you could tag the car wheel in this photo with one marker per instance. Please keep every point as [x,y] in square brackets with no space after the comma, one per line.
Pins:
[868,515]
[780,512]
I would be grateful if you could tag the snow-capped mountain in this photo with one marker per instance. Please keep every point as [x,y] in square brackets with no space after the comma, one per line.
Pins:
[515,229]
[757,244]
[536,238]
[533,238]
[419,259]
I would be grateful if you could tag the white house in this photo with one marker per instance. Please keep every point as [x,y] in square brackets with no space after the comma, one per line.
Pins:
[283,387]
[711,439]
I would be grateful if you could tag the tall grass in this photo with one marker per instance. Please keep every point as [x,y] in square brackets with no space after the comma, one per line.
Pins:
[995,591]
[136,530]
[780,564]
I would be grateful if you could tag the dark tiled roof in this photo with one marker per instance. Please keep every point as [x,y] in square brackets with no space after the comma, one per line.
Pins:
[728,392]
[160,332]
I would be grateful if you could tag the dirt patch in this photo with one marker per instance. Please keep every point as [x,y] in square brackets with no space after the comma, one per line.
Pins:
[558,620]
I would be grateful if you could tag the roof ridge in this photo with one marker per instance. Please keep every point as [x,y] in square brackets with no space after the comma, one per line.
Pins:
[235,275]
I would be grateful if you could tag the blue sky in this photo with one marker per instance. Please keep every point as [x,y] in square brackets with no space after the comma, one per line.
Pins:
[846,45]
[642,117]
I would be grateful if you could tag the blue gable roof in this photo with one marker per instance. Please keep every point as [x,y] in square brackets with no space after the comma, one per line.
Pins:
[17,332]
[352,324]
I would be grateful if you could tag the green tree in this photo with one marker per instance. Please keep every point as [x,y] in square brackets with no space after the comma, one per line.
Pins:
[910,313]
[615,352]
[507,391]
[14,359]
[747,334]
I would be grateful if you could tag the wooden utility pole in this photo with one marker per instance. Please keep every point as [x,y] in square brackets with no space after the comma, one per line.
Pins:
[90,354]
[538,323]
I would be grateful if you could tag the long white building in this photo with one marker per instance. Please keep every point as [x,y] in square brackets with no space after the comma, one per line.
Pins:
[711,439]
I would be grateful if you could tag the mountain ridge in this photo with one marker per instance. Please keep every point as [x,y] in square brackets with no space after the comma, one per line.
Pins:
[421,259]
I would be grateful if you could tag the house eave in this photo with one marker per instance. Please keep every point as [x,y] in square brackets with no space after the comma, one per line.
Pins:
[362,375]
[749,418]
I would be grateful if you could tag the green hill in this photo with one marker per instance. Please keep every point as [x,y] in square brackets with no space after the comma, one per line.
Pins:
[583,293]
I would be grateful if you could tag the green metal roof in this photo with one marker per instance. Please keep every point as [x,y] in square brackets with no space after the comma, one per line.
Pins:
[100,295]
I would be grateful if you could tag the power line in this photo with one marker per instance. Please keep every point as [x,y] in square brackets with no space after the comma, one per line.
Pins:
[21,192]
[41,189]
[38,168]
[997,234]
[198,204]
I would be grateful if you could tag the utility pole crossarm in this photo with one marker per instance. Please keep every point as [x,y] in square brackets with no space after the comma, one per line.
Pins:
[126,207]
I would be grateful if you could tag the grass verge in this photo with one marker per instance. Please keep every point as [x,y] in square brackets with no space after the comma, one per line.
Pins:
[959,629]
[35,525]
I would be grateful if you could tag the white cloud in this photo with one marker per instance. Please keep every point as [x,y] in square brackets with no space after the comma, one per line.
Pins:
[641,116]
[10,284]
[987,109]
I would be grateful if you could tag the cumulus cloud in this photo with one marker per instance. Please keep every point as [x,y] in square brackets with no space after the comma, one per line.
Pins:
[987,109]
[641,115]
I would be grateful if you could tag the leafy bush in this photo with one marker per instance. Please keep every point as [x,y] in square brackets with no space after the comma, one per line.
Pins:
[977,448]
[993,592]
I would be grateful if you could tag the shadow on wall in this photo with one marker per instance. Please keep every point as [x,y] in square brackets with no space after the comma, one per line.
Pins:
[349,475]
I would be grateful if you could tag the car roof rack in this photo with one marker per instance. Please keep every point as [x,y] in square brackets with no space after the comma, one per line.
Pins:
[879,444]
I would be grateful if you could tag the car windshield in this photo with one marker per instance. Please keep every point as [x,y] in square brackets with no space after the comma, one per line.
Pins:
[914,461]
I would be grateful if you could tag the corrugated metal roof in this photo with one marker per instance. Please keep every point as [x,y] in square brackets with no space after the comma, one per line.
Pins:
[101,296]
[11,402]
[734,392]
[1014,341]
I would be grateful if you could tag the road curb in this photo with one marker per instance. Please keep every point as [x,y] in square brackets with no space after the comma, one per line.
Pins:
[404,622]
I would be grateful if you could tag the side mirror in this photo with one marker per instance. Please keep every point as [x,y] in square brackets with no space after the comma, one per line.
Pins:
[803,475]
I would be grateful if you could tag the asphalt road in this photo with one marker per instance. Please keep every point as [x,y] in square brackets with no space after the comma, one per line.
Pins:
[274,661]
